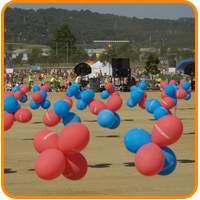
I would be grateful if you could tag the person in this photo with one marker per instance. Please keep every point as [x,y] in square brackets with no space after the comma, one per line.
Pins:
[31,79]
[52,80]
[30,87]
[88,86]
[60,80]
[80,82]
[39,77]
[42,76]
[66,84]
[45,77]
[34,76]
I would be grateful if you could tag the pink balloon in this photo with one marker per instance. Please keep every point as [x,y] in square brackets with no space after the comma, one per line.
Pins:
[51,119]
[149,159]
[180,93]
[8,94]
[76,166]
[163,84]
[142,103]
[8,121]
[182,81]
[167,103]
[45,88]
[24,89]
[114,103]
[23,115]
[68,100]
[73,138]
[50,164]
[172,82]
[45,139]
[163,94]
[109,87]
[37,96]
[18,95]
[167,130]
[96,106]
[113,93]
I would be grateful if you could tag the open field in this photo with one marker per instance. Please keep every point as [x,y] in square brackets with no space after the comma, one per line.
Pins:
[111,168]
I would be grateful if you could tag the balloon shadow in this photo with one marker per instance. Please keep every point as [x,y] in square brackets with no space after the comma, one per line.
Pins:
[110,136]
[186,161]
[129,164]
[190,133]
[89,120]
[186,118]
[185,108]
[152,119]
[30,170]
[128,120]
[99,166]
[37,122]
[27,139]
[9,171]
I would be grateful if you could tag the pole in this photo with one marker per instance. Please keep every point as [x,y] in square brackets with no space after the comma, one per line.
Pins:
[67,52]
[56,49]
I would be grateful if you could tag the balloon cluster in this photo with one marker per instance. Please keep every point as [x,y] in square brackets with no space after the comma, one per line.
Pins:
[39,97]
[152,154]
[61,154]
[13,111]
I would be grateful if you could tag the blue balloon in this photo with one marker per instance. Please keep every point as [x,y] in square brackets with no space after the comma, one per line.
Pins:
[36,88]
[81,105]
[175,100]
[92,92]
[142,85]
[136,138]
[50,89]
[175,86]
[74,88]
[24,98]
[34,105]
[188,95]
[61,108]
[116,122]
[186,85]
[130,103]
[106,118]
[77,95]
[71,117]
[16,88]
[160,112]
[169,90]
[45,104]
[44,94]
[77,85]
[113,86]
[105,94]
[86,96]
[137,95]
[10,104]
[69,94]
[170,161]
[151,105]
[133,88]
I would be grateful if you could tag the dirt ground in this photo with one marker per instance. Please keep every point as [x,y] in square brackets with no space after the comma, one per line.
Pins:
[111,169]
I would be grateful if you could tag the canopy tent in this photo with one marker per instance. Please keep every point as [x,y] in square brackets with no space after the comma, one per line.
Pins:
[184,63]
[105,67]
[90,62]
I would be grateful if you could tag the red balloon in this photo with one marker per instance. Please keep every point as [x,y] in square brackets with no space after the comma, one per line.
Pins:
[76,166]
[182,81]
[96,106]
[23,115]
[114,103]
[109,87]
[50,164]
[149,159]
[8,94]
[190,89]
[167,130]
[51,119]
[8,121]
[167,103]
[172,82]
[37,96]
[180,93]
[113,93]
[169,112]
[68,100]
[24,89]
[73,138]
[163,84]
[163,94]
[18,95]
[145,95]
[142,102]
[45,88]
[45,139]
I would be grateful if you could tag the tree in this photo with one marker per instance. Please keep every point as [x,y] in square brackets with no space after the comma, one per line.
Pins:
[36,51]
[10,48]
[63,38]
[163,51]
[151,64]
[32,59]
[17,60]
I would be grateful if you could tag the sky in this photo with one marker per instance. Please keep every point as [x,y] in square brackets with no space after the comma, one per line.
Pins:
[170,11]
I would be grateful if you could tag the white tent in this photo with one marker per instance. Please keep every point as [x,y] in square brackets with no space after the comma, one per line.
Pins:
[104,67]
